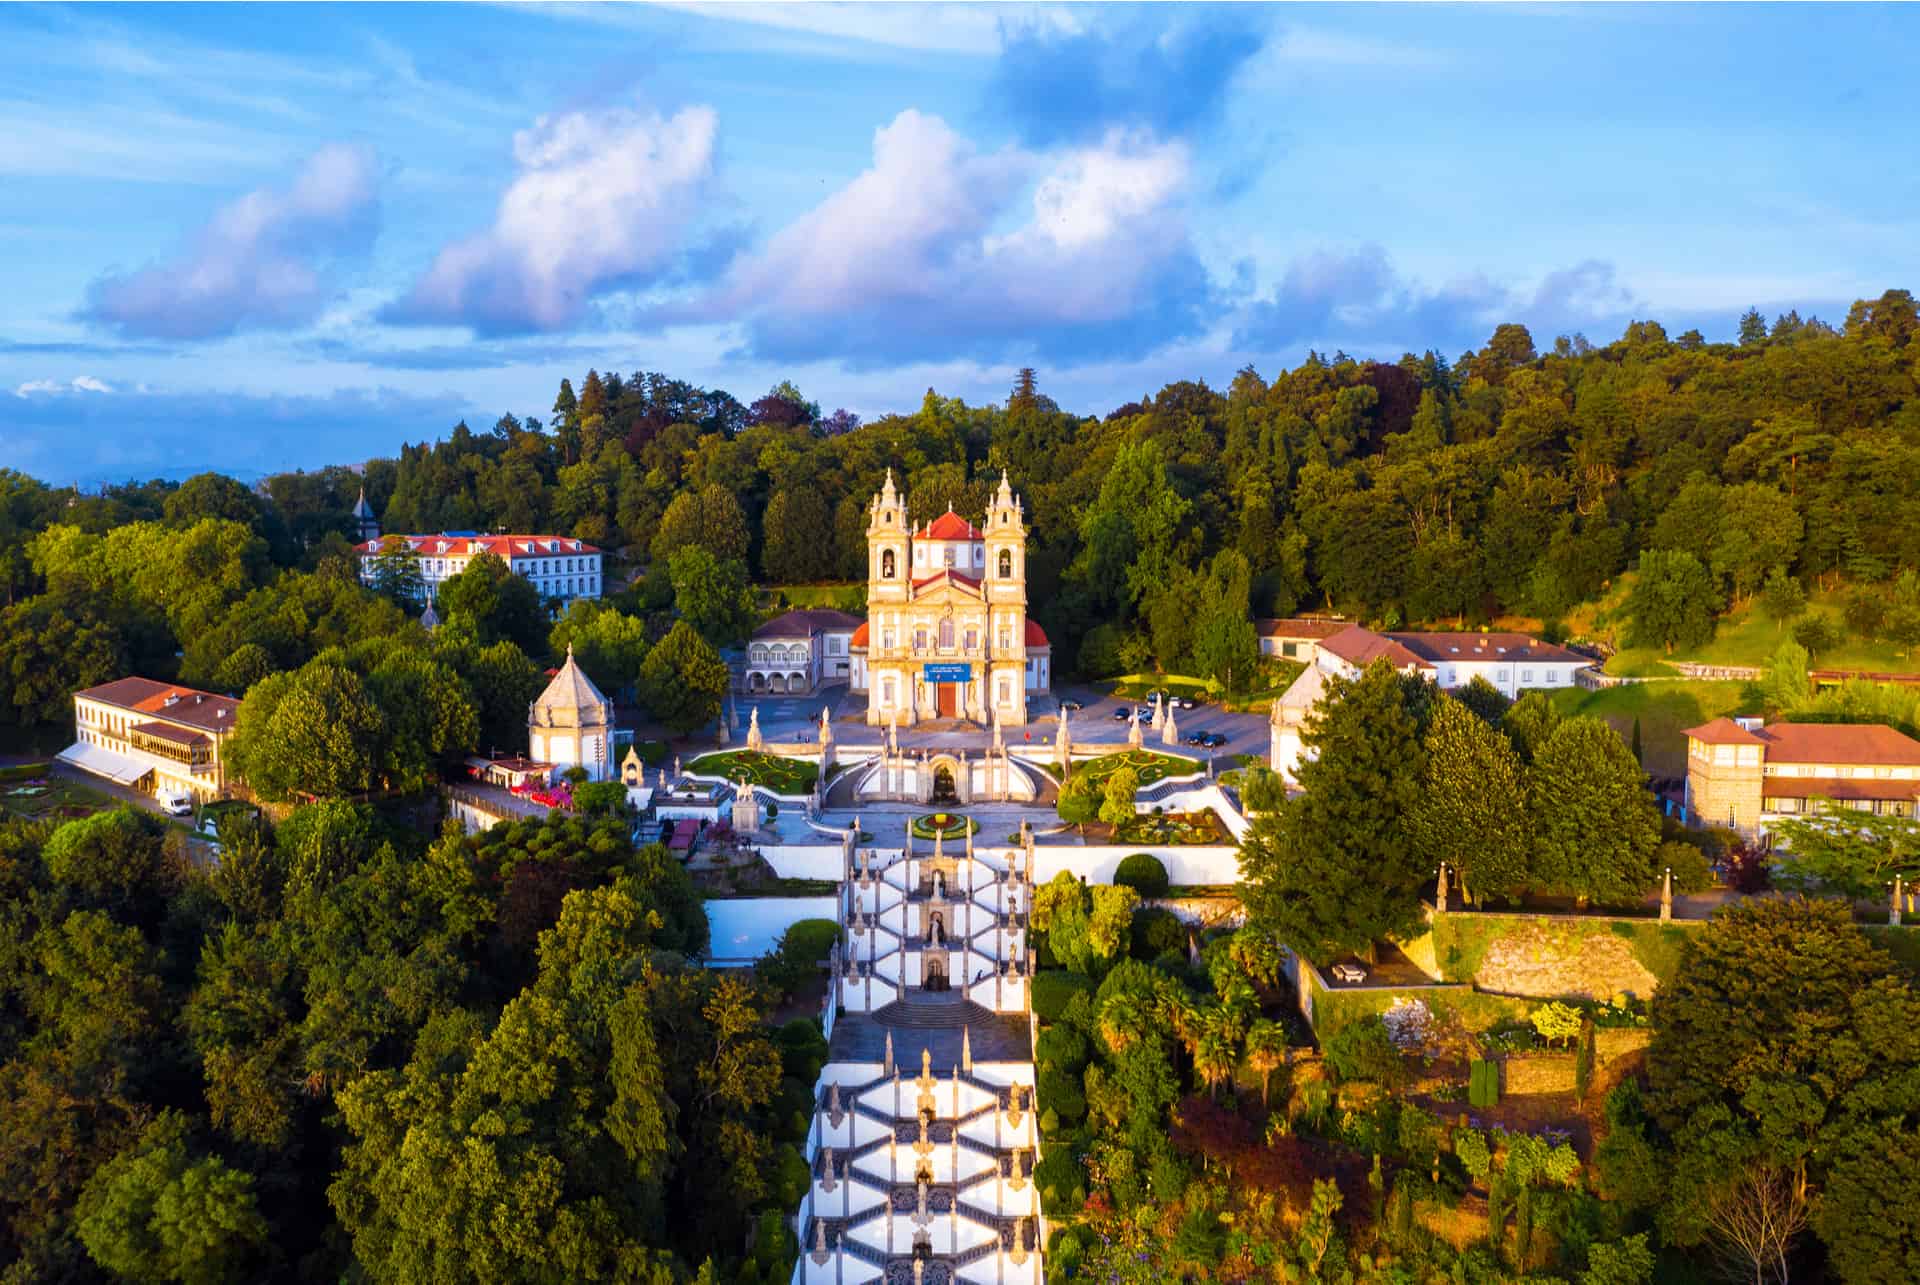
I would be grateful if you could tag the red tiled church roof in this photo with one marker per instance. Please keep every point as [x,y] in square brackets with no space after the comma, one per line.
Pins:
[951,526]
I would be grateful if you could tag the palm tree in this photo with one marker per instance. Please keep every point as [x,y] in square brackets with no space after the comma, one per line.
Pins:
[1121,1018]
[1213,1057]
[1266,1053]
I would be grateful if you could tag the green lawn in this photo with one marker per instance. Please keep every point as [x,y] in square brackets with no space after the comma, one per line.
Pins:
[1139,686]
[773,772]
[1149,765]
[1252,694]
[1664,711]
[1747,637]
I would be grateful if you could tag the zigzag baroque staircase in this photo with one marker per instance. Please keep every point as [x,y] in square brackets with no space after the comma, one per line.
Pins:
[925,1129]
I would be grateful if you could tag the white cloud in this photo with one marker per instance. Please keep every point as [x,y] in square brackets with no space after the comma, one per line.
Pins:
[54,388]
[941,250]
[261,261]
[601,199]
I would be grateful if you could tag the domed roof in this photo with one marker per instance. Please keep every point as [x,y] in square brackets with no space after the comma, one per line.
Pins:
[571,691]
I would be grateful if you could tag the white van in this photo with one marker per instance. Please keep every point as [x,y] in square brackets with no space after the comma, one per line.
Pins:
[177,803]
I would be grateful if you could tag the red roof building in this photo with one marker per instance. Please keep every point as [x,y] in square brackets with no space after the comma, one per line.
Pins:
[560,567]
[156,737]
[1746,773]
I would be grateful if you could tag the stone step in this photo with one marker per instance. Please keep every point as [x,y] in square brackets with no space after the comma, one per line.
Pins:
[929,1011]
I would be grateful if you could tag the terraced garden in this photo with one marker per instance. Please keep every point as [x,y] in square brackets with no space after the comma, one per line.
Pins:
[1173,829]
[773,772]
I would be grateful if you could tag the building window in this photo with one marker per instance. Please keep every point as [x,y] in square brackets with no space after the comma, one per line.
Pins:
[973,639]
[946,632]
[949,557]
[886,564]
[886,640]
[919,640]
[1526,675]
[1006,559]
[886,692]
[1006,639]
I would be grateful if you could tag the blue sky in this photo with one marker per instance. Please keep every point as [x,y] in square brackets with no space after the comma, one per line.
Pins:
[255,238]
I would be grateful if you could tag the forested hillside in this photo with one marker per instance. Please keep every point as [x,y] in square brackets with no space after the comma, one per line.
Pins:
[1512,481]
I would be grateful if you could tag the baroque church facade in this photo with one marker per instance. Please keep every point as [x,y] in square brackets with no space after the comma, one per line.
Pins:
[947,634]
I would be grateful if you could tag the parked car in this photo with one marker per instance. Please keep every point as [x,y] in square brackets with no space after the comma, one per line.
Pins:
[175,803]
[1212,740]
[1122,714]
[1183,702]
[1198,740]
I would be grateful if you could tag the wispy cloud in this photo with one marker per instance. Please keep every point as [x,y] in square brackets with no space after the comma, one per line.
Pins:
[602,199]
[261,262]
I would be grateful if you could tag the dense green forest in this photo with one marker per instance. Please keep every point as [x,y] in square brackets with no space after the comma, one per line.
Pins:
[1508,482]
[355,1050]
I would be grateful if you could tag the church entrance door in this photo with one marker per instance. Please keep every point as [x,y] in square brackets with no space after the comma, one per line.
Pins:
[949,699]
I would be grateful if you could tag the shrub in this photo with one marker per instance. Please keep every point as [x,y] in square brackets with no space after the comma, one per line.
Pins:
[1157,931]
[796,959]
[1583,1062]
[1692,872]
[1483,1083]
[1052,991]
[1475,1156]
[1061,1047]
[1061,1091]
[1364,1051]
[1144,873]
[1556,1021]
[600,798]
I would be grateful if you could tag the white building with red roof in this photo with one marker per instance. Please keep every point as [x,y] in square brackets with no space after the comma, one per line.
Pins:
[560,567]
[947,634]
[159,738]
[1512,662]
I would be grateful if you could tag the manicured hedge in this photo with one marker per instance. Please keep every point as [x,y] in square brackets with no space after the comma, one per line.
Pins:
[1144,873]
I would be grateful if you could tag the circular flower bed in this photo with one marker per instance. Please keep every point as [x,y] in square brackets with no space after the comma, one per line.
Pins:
[948,825]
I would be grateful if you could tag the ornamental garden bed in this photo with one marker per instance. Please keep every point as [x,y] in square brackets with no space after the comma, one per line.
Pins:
[1173,829]
[1148,766]
[39,797]
[773,772]
[948,825]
